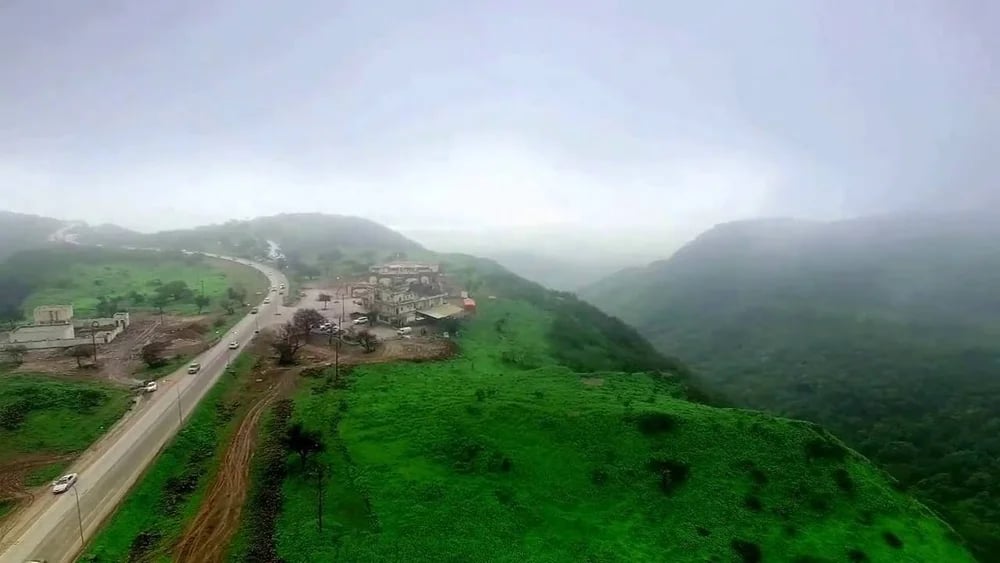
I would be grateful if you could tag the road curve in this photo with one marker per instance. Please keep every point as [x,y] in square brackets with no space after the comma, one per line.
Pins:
[110,467]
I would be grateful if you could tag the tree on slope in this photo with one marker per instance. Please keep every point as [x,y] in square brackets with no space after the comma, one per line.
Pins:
[303,442]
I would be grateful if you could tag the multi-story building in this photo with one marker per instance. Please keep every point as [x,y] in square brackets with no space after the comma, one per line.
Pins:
[403,292]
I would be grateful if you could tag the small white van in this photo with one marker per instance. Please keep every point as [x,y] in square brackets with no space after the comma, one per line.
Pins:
[404,331]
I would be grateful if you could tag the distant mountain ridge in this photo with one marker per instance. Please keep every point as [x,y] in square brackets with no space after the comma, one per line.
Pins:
[308,234]
[884,329]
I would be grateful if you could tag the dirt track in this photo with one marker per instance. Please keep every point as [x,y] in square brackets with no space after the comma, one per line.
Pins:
[208,537]
[13,476]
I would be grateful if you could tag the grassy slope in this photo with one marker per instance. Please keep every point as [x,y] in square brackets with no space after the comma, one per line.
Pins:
[157,509]
[60,416]
[475,459]
[83,282]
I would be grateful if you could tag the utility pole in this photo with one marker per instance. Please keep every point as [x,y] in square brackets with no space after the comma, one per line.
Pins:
[319,504]
[93,338]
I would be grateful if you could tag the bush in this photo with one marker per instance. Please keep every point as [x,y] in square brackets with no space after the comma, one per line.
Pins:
[748,552]
[651,423]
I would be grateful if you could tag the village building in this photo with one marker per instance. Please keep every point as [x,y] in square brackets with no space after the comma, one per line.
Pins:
[53,326]
[403,293]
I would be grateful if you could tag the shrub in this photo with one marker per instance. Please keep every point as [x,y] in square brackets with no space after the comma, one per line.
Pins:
[843,480]
[892,539]
[820,449]
[651,423]
[748,552]
[753,503]
[672,473]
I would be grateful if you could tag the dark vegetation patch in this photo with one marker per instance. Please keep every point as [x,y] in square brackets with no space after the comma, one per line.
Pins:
[892,540]
[265,500]
[703,531]
[599,477]
[672,474]
[143,545]
[753,503]
[855,555]
[748,552]
[843,480]
[653,423]
[821,449]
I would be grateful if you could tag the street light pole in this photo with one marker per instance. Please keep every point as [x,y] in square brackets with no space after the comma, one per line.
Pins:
[79,516]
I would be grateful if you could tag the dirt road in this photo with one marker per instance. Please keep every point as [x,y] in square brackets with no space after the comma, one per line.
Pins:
[208,537]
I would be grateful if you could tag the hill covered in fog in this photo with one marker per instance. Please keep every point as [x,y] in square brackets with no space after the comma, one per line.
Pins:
[884,329]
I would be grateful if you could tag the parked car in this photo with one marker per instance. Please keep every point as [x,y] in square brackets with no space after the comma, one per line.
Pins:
[253,311]
[404,331]
[361,320]
[194,367]
[149,386]
[267,300]
[63,484]
[234,345]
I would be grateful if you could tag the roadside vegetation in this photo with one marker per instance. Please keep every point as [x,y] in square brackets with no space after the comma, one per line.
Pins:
[44,422]
[99,282]
[507,454]
[157,509]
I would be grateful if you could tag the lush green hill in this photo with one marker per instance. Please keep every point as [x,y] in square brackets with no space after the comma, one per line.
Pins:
[506,454]
[886,330]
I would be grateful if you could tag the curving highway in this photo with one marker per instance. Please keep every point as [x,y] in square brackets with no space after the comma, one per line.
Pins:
[50,530]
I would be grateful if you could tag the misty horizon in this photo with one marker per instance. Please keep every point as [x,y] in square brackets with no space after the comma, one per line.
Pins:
[662,118]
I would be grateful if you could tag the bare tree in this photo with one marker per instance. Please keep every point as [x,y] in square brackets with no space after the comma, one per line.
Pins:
[368,340]
[287,341]
[307,319]
[152,354]
[325,299]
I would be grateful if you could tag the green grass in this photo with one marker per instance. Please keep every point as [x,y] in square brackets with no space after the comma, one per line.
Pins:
[82,282]
[41,414]
[157,509]
[502,455]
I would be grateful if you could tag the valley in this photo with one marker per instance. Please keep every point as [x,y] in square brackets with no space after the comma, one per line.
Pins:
[519,435]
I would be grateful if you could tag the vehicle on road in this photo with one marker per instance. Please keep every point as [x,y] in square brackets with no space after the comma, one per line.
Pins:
[149,386]
[63,484]
[282,286]
[361,320]
[404,330]
[194,367]
[266,301]
[234,345]
[253,311]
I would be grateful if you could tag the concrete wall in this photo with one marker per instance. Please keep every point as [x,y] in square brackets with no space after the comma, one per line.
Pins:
[52,314]
[26,334]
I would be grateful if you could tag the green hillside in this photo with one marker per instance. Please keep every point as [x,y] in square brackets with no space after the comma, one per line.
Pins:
[505,454]
[884,330]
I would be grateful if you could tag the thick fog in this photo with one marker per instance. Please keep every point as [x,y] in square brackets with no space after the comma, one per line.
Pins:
[622,118]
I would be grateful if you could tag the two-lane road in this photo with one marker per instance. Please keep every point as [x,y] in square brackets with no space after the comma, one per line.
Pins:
[111,466]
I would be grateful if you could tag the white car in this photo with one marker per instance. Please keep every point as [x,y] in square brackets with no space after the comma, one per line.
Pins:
[266,301]
[149,386]
[195,367]
[361,321]
[64,483]
[234,345]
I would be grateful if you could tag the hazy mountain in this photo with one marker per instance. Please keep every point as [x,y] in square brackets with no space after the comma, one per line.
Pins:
[884,329]
[21,232]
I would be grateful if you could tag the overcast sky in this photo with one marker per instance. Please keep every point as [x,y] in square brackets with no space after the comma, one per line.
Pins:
[642,114]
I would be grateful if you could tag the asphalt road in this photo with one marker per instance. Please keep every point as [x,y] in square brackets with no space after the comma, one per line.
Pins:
[51,531]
